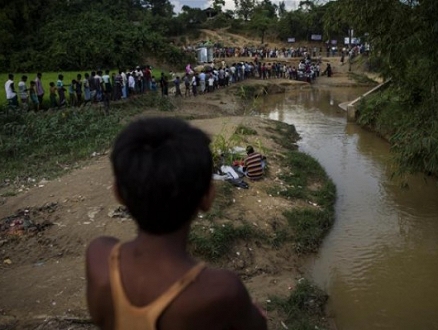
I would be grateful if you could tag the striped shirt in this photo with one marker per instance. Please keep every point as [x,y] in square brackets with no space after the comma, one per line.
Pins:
[253,165]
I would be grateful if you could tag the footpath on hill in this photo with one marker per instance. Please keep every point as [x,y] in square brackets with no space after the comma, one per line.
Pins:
[42,279]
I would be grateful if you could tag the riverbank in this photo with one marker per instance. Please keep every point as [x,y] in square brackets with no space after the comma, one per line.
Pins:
[262,244]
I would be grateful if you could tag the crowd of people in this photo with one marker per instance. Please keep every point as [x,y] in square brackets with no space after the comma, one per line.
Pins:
[327,50]
[98,86]
[94,87]
[213,75]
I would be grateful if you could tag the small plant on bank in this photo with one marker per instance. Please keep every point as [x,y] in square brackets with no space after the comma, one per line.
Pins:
[245,130]
[303,309]
[281,236]
[222,149]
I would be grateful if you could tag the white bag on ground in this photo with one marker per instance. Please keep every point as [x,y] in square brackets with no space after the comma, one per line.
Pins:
[229,171]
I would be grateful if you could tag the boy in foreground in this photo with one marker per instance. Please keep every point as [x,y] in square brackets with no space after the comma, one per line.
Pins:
[163,170]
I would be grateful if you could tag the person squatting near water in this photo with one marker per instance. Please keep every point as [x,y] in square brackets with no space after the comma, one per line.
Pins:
[254,164]
[163,175]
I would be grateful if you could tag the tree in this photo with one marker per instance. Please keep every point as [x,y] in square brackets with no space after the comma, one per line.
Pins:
[260,22]
[292,25]
[244,8]
[217,5]
[306,6]
[269,8]
[162,8]
[282,9]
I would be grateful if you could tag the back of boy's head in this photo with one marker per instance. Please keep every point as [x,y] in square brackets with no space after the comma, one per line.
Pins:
[163,169]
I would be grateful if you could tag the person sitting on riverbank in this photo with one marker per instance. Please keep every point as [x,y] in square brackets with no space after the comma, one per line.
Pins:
[163,170]
[254,164]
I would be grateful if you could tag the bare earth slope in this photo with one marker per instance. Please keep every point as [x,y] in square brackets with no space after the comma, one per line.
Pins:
[46,279]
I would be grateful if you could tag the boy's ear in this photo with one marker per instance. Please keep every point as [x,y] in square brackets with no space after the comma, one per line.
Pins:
[117,193]
[207,200]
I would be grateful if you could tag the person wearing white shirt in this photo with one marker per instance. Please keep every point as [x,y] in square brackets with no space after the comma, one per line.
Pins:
[131,83]
[124,84]
[194,85]
[23,92]
[202,77]
[11,95]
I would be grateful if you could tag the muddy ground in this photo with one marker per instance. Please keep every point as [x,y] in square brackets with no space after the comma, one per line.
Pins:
[42,280]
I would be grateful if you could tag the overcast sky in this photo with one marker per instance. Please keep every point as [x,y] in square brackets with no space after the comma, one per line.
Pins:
[229,4]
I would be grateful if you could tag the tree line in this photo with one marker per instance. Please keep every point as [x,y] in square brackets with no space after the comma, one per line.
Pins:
[53,35]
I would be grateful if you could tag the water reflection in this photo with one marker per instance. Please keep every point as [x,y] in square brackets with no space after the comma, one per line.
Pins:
[379,262]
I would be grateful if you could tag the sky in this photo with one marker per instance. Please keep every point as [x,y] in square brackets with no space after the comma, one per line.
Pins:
[229,4]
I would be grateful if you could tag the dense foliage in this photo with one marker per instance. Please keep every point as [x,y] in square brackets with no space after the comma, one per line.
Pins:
[55,35]
[64,35]
[404,35]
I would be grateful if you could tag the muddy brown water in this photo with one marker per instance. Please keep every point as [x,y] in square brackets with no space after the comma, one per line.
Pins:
[379,263]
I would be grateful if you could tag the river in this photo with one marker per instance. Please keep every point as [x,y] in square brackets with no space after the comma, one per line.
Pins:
[379,263]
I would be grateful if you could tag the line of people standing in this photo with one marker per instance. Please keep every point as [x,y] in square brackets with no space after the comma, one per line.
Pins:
[90,88]
[29,96]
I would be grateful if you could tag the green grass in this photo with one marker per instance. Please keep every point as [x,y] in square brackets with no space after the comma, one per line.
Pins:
[300,172]
[309,226]
[215,241]
[361,78]
[224,198]
[306,180]
[46,144]
[303,309]
[285,135]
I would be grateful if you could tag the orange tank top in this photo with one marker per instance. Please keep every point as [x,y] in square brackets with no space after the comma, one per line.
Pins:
[127,316]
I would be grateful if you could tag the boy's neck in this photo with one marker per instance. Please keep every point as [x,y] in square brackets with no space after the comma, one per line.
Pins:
[171,245]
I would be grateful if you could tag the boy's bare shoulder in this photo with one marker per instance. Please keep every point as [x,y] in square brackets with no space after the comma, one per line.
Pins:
[220,277]
[97,255]
[222,286]
[219,298]
[101,245]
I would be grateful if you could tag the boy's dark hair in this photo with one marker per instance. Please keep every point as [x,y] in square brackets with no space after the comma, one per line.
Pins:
[163,169]
[249,150]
